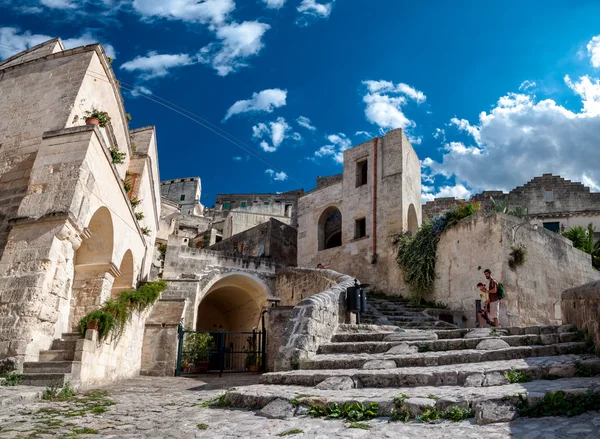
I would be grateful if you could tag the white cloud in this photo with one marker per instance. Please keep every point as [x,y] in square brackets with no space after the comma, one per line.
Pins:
[367,134]
[59,4]
[439,133]
[457,191]
[140,90]
[237,41]
[277,176]
[306,123]
[464,125]
[593,49]
[522,137]
[278,131]
[310,9]
[13,41]
[265,101]
[274,4]
[155,65]
[526,85]
[237,158]
[335,149]
[213,12]
[385,101]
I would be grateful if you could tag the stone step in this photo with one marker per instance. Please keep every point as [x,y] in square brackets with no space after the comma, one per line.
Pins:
[63,345]
[488,373]
[45,367]
[57,355]
[258,396]
[379,347]
[44,379]
[70,336]
[429,359]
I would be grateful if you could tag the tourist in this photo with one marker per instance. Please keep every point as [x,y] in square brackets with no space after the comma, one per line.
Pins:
[482,314]
[492,291]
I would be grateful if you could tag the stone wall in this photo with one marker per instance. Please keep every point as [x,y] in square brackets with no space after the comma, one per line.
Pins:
[533,291]
[242,219]
[314,320]
[272,239]
[294,285]
[159,352]
[581,307]
[329,180]
[184,191]
[279,318]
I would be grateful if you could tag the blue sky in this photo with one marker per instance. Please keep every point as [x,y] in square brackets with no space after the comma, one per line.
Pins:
[490,93]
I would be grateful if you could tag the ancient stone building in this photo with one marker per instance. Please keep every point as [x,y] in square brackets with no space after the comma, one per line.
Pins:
[551,202]
[69,237]
[186,192]
[345,223]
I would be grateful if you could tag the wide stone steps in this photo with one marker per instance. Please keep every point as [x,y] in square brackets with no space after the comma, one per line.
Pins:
[44,379]
[48,367]
[486,373]
[379,347]
[57,355]
[258,396]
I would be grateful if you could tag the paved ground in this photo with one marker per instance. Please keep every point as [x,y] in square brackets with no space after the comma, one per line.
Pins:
[148,407]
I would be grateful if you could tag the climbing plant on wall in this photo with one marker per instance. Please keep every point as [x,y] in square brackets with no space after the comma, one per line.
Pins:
[417,254]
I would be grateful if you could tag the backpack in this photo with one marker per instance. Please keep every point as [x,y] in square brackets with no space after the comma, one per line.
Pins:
[501,292]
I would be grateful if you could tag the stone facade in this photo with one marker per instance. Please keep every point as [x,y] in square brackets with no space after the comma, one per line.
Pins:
[272,239]
[533,290]
[186,192]
[581,307]
[379,194]
[552,202]
[69,237]
[241,219]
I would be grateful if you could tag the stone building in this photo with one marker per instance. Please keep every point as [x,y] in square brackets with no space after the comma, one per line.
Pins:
[551,202]
[186,192]
[345,223]
[69,237]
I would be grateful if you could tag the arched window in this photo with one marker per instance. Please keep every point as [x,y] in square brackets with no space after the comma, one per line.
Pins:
[330,228]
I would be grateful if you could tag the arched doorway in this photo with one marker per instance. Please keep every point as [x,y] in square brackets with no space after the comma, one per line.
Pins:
[94,272]
[125,280]
[232,303]
[330,228]
[413,221]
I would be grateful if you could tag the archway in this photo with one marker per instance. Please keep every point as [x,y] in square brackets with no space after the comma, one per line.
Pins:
[413,221]
[330,228]
[94,272]
[233,303]
[125,281]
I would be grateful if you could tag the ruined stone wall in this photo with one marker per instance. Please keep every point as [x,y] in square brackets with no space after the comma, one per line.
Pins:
[293,285]
[242,219]
[581,307]
[533,291]
[329,180]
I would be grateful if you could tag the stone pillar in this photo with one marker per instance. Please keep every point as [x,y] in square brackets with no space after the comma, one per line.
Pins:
[279,318]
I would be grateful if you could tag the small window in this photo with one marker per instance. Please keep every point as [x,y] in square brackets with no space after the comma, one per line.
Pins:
[549,195]
[288,210]
[182,198]
[553,227]
[226,205]
[362,168]
[242,204]
[360,228]
[266,203]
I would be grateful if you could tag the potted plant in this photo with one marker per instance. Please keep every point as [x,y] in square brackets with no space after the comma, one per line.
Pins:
[253,359]
[93,324]
[97,117]
[197,350]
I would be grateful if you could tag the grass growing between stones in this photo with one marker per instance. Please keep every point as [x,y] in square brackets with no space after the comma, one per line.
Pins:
[360,425]
[294,400]
[53,394]
[220,401]
[514,377]
[581,370]
[94,402]
[355,411]
[202,426]
[559,404]
[291,432]
[455,413]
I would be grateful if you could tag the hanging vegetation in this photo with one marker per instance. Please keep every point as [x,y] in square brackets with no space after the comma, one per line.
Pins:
[583,239]
[114,314]
[518,256]
[417,254]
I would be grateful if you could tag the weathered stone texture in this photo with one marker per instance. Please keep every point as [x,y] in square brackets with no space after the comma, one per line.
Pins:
[581,307]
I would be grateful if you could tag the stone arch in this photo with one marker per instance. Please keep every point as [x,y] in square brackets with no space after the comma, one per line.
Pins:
[413,221]
[330,228]
[232,302]
[125,281]
[94,271]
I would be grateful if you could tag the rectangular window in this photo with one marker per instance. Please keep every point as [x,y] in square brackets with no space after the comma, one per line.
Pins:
[288,210]
[553,227]
[360,228]
[242,204]
[266,203]
[362,168]
[549,195]
[226,205]
[182,198]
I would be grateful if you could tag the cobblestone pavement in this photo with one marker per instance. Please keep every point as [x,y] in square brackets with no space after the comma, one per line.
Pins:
[149,407]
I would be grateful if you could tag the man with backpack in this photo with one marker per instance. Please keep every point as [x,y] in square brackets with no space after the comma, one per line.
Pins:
[495,294]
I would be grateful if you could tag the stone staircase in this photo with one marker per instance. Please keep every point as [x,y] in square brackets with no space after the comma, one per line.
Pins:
[399,312]
[56,366]
[469,368]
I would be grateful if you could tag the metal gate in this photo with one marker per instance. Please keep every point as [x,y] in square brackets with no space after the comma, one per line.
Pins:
[209,352]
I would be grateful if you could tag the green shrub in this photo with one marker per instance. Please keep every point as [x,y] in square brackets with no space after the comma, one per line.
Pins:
[456,413]
[355,411]
[515,376]
[11,378]
[429,415]
[139,216]
[117,156]
[202,426]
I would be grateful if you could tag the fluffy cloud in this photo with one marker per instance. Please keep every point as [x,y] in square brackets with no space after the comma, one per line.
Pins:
[464,125]
[204,11]
[457,191]
[237,41]
[59,4]
[384,101]
[155,65]
[140,90]
[335,149]
[278,131]
[310,9]
[13,41]
[274,4]
[363,133]
[521,138]
[277,176]
[526,85]
[593,49]
[306,123]
[265,101]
